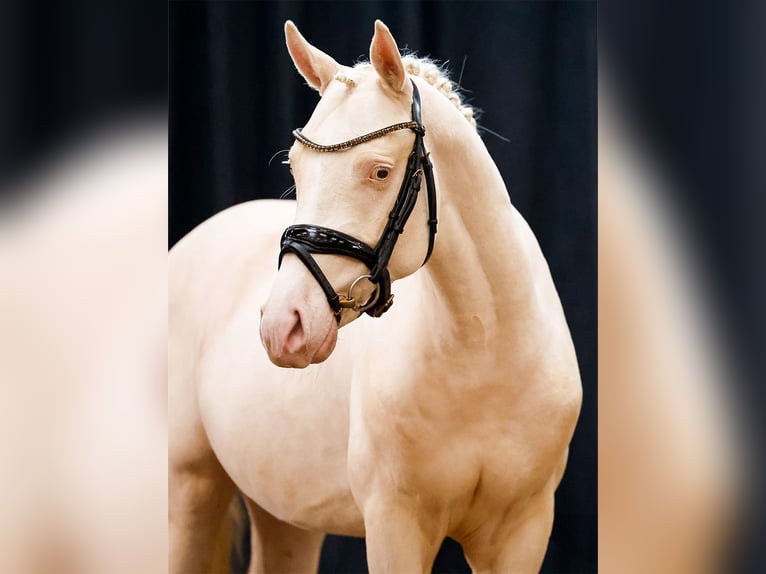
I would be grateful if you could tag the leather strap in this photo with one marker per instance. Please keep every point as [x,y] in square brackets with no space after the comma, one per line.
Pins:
[433,221]
[329,241]
[305,256]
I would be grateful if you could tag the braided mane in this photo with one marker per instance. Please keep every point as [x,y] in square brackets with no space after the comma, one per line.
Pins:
[430,72]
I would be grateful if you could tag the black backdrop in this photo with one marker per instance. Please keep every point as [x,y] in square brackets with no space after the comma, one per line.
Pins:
[531,67]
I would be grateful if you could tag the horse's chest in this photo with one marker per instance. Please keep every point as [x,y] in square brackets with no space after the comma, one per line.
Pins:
[458,435]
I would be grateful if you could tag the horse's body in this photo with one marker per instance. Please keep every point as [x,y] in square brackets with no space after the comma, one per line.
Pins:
[449,416]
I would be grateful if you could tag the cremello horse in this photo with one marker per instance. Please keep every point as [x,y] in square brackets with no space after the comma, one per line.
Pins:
[450,415]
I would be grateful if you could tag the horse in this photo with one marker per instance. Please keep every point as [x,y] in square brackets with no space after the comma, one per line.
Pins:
[448,413]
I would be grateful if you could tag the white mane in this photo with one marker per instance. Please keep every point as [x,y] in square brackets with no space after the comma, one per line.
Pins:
[422,68]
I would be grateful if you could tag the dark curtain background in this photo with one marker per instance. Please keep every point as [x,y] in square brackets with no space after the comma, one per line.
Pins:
[531,67]
[67,68]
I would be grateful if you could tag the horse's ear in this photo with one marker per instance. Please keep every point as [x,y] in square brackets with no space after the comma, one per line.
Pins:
[386,59]
[317,67]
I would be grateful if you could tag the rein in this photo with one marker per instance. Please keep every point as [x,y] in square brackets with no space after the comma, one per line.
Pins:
[305,240]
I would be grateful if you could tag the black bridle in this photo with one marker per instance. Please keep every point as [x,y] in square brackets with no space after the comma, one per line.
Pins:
[304,239]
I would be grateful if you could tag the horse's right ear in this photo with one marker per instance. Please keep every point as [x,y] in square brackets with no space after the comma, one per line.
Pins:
[385,58]
[317,67]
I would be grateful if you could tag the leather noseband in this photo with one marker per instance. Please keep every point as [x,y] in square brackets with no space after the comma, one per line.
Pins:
[305,240]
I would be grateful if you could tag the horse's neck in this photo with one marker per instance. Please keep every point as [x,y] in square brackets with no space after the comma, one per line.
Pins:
[489,277]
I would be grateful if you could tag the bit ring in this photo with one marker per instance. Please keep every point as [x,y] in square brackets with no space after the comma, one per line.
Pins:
[348,302]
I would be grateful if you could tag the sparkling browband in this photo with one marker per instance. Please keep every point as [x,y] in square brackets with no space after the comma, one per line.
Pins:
[415,126]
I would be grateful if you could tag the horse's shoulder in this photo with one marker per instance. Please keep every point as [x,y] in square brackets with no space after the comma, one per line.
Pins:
[237,224]
[232,237]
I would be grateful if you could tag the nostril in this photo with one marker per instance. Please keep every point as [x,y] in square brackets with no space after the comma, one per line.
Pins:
[296,338]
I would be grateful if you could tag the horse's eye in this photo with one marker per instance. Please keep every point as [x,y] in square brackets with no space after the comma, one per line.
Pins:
[381,173]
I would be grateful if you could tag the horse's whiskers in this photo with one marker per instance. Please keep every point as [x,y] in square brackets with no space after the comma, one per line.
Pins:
[489,131]
[286,193]
[276,154]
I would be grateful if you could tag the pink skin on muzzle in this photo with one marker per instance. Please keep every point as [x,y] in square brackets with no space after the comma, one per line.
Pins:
[298,327]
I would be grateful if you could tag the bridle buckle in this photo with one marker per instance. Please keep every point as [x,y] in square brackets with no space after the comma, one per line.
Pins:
[384,307]
[346,303]
[387,305]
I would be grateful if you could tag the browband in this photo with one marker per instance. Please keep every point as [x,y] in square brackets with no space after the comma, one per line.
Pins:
[304,239]
[298,135]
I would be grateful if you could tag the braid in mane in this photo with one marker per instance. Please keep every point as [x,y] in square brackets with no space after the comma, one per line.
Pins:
[422,68]
[437,77]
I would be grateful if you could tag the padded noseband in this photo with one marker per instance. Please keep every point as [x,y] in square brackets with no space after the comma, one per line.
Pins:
[305,240]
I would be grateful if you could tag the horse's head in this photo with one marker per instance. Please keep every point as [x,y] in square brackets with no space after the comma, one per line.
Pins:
[351,190]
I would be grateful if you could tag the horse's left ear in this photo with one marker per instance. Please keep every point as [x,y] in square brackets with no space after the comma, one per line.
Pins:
[385,57]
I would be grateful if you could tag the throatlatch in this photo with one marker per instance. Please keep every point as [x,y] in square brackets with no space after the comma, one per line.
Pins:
[304,240]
